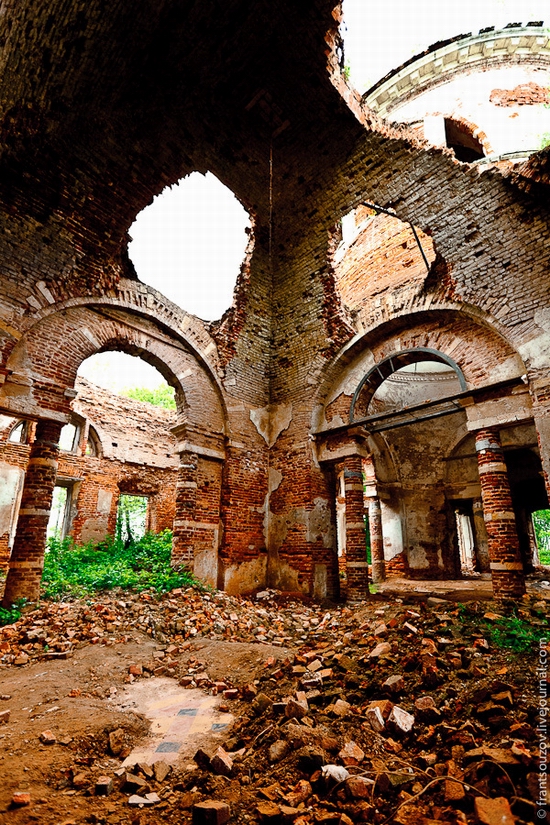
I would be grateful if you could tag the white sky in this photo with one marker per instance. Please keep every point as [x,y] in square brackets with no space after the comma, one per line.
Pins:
[379,37]
[190,242]
[117,371]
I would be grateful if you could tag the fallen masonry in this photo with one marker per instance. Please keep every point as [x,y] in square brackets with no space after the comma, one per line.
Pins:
[438,726]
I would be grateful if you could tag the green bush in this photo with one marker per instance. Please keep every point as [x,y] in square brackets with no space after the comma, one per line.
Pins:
[9,616]
[144,564]
[161,396]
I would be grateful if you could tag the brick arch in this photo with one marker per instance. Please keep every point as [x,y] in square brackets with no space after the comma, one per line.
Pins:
[473,129]
[137,297]
[480,352]
[385,368]
[46,360]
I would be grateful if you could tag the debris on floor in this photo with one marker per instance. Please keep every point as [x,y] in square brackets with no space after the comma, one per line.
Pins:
[387,712]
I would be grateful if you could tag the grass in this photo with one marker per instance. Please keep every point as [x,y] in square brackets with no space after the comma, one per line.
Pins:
[137,565]
[507,632]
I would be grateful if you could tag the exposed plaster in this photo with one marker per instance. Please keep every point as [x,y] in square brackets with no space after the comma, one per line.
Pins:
[270,421]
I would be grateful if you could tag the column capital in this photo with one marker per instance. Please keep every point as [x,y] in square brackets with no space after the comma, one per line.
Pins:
[338,446]
[488,439]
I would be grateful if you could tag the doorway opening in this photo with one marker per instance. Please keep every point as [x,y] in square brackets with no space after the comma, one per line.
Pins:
[60,513]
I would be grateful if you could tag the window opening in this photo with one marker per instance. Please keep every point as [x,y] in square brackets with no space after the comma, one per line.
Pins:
[59,514]
[466,542]
[92,444]
[19,433]
[131,517]
[68,440]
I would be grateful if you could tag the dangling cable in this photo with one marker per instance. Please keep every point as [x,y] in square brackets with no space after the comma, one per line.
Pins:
[270,202]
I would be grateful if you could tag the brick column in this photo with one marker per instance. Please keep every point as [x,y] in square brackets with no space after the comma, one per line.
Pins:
[376,541]
[186,506]
[27,558]
[356,550]
[503,543]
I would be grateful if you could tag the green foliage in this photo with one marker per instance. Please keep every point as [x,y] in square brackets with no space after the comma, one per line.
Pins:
[161,396]
[541,523]
[544,140]
[514,633]
[135,565]
[510,632]
[131,517]
[9,616]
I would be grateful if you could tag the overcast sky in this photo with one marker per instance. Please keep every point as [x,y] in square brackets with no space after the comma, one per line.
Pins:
[190,242]
[379,37]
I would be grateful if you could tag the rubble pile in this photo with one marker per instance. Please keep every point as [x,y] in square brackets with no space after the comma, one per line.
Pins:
[383,713]
[56,628]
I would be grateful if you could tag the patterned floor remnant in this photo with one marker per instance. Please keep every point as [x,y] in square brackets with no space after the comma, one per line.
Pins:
[181,720]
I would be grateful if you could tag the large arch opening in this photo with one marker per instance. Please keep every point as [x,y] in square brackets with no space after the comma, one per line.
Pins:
[190,244]
[117,449]
[406,379]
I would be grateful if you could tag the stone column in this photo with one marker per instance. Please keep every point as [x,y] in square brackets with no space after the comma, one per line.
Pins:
[185,516]
[356,550]
[376,541]
[502,537]
[27,558]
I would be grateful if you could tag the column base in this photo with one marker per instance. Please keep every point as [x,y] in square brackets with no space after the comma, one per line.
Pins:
[378,571]
[509,584]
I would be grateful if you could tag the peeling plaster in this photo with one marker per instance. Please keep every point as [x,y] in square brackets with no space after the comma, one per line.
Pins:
[284,577]
[270,421]
[205,563]
[10,490]
[418,559]
[318,522]
[104,501]
[94,529]
[19,360]
[352,375]
[245,577]
[275,527]
[535,352]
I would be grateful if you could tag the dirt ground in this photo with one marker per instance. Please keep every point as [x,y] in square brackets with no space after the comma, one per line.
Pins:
[68,672]
[38,696]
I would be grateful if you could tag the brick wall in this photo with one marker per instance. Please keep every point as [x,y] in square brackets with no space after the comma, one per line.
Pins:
[86,145]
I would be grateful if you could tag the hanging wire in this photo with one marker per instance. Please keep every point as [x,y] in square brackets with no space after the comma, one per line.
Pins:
[270,201]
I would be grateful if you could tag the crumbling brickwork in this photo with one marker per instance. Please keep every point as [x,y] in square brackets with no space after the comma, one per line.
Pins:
[527,94]
[90,135]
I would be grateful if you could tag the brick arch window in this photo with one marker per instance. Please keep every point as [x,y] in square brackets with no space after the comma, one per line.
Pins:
[384,369]
[19,433]
[93,444]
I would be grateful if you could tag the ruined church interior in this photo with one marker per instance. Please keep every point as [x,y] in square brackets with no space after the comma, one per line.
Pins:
[381,379]
[358,436]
